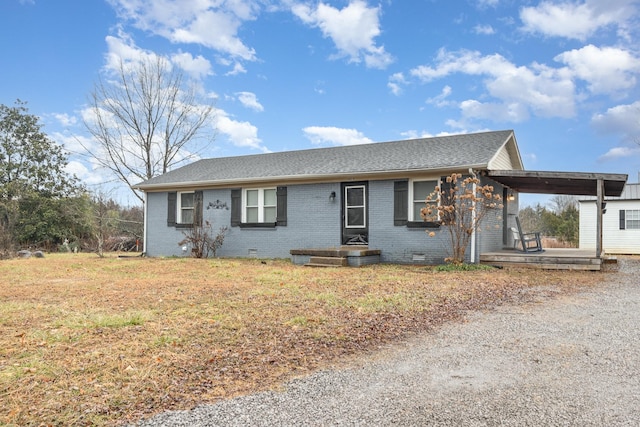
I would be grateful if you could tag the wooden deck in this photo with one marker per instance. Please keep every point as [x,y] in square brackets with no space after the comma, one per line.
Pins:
[549,259]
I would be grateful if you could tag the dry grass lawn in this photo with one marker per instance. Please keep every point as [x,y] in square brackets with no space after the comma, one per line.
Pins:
[91,341]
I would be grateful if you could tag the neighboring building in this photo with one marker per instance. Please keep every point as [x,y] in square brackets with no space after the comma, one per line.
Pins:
[620,222]
[367,195]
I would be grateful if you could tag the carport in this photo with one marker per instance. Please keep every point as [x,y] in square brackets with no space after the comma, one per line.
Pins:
[599,185]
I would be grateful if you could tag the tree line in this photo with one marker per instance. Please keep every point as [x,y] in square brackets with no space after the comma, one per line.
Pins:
[44,207]
[561,220]
[144,118]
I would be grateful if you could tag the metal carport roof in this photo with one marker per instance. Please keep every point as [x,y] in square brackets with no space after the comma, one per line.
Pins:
[600,185]
[545,182]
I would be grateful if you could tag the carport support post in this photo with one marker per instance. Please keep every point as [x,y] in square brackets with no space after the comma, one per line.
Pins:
[600,201]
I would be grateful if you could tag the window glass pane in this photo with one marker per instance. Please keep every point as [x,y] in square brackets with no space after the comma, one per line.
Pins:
[252,197]
[633,219]
[187,216]
[270,214]
[421,189]
[252,214]
[186,200]
[270,197]
[417,206]
[355,196]
[355,217]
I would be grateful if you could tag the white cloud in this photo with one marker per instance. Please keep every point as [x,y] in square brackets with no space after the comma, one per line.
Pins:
[619,153]
[241,134]
[323,135]
[197,67]
[576,19]
[352,29]
[122,49]
[518,90]
[440,100]
[486,3]
[414,134]
[66,120]
[211,23]
[606,70]
[396,81]
[621,119]
[249,100]
[237,69]
[484,30]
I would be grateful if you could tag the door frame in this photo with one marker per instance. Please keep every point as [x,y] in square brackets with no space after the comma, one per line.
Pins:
[354,234]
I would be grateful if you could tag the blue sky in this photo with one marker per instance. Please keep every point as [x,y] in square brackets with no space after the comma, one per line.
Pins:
[293,74]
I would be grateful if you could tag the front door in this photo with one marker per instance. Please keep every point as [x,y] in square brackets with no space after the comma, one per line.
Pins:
[355,214]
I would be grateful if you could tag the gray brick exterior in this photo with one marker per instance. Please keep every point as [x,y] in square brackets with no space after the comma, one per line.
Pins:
[313,221]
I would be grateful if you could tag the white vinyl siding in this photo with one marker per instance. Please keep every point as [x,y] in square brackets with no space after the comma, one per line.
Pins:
[614,239]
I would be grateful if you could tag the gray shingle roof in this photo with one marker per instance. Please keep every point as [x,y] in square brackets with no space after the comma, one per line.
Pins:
[455,151]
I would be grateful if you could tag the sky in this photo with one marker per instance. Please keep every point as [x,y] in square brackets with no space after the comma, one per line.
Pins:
[295,74]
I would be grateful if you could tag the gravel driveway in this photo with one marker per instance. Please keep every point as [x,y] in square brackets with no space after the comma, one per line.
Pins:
[567,361]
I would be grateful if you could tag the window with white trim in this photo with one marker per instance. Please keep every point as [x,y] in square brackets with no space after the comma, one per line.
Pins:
[632,218]
[355,206]
[185,207]
[418,192]
[259,205]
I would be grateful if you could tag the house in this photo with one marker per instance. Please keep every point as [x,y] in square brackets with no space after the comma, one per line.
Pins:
[620,222]
[363,196]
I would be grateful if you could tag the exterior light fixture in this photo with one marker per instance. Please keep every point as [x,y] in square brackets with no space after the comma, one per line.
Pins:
[332,196]
[510,196]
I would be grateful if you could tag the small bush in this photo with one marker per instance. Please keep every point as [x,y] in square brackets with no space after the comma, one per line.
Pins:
[463,267]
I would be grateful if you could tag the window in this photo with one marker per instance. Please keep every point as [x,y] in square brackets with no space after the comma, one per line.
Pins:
[630,219]
[355,206]
[260,205]
[186,207]
[419,190]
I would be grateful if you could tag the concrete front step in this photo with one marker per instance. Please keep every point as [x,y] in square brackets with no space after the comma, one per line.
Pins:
[327,261]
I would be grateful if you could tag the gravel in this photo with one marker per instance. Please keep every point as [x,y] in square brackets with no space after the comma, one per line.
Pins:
[563,361]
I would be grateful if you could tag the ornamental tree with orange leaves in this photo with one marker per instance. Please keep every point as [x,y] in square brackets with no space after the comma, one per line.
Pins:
[459,206]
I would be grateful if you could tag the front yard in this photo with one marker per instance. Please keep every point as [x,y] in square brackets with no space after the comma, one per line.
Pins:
[91,341]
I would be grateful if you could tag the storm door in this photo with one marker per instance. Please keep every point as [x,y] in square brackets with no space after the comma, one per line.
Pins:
[355,217]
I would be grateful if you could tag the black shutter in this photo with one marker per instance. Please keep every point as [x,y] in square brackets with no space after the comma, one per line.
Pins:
[236,207]
[281,214]
[622,221]
[171,208]
[400,202]
[197,211]
[447,199]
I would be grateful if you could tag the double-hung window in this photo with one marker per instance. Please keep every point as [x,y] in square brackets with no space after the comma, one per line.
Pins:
[186,207]
[418,192]
[260,205]
[630,219]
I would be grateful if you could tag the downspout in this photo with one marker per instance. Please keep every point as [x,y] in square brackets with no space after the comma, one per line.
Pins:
[472,254]
[144,225]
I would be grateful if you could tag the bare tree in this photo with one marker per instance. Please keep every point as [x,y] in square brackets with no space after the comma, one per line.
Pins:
[146,120]
[562,202]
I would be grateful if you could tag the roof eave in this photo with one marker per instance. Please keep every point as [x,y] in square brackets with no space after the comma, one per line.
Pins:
[304,179]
